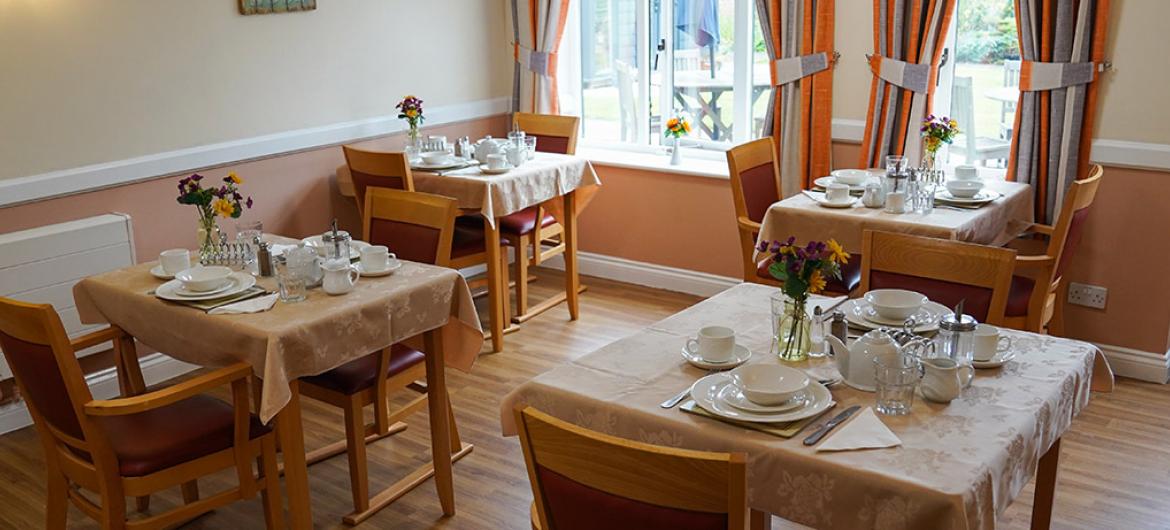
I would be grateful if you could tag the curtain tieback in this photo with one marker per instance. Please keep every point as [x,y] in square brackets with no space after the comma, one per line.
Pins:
[1038,76]
[540,63]
[792,69]
[910,76]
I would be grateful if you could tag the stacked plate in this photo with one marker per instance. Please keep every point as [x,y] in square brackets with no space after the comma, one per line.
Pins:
[983,197]
[236,283]
[860,314]
[721,395]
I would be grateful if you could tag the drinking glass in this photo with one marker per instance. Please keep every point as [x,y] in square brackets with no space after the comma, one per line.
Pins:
[293,282]
[530,142]
[896,164]
[248,231]
[897,375]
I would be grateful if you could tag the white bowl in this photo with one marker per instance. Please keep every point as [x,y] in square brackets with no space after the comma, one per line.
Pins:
[434,157]
[200,279]
[769,384]
[964,189]
[895,304]
[850,177]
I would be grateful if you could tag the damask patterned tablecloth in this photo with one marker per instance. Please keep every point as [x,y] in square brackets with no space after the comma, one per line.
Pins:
[292,340]
[958,467]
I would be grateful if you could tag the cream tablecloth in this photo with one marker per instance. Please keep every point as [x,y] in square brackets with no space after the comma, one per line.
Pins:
[959,466]
[292,340]
[994,224]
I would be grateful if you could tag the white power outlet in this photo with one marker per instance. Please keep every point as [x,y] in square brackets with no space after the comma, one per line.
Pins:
[1087,295]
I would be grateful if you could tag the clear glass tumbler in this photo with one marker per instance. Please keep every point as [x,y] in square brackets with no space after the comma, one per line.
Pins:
[530,142]
[897,376]
[292,281]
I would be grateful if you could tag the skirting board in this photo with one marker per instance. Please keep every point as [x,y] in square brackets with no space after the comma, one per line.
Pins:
[1137,364]
[103,384]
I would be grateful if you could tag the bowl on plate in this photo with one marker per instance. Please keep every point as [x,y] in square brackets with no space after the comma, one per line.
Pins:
[964,189]
[895,304]
[202,279]
[769,384]
[850,177]
[434,158]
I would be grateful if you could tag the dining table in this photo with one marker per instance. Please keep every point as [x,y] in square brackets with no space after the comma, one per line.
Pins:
[564,184]
[293,340]
[958,465]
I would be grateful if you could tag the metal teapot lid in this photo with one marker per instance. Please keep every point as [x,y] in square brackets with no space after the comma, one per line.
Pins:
[962,323]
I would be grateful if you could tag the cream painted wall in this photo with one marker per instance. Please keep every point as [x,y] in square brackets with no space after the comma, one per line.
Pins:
[86,82]
[1133,103]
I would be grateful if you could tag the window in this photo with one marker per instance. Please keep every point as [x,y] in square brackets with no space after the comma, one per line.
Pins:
[978,85]
[642,61]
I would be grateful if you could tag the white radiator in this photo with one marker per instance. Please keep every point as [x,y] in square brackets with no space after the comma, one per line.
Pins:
[42,264]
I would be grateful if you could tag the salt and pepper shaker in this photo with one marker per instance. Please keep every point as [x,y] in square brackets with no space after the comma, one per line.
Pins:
[263,257]
[839,328]
[820,345]
[956,338]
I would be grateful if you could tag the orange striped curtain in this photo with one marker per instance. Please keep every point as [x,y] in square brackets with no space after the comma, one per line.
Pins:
[537,28]
[908,38]
[1062,49]
[798,35]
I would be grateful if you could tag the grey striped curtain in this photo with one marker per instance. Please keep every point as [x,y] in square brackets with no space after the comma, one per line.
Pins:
[1062,46]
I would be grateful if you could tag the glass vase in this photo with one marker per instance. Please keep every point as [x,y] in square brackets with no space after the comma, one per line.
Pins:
[794,329]
[928,159]
[208,237]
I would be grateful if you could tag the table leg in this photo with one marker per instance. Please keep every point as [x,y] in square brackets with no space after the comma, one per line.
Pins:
[1045,488]
[760,520]
[572,275]
[496,289]
[440,419]
[292,447]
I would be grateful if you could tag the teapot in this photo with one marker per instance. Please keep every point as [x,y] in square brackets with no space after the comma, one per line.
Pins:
[340,276]
[488,146]
[856,362]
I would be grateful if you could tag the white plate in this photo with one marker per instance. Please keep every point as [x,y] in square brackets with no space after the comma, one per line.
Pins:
[158,272]
[355,246]
[824,182]
[484,168]
[705,390]
[1000,359]
[741,355]
[844,204]
[733,395]
[361,269]
[984,196]
[242,280]
[857,309]
[451,163]
[836,173]
[189,294]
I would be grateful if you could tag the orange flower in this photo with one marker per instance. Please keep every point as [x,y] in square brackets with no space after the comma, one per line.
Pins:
[816,282]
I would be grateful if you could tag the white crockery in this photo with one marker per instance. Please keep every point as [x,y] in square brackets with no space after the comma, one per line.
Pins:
[377,258]
[895,304]
[740,355]
[715,344]
[240,282]
[966,173]
[434,158]
[769,384]
[705,392]
[497,161]
[174,260]
[837,193]
[340,276]
[201,279]
[850,177]
[964,189]
[988,342]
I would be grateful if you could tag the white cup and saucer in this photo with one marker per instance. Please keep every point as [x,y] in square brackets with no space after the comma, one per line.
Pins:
[496,164]
[171,262]
[714,348]
[837,196]
[992,349]
[966,173]
[377,260]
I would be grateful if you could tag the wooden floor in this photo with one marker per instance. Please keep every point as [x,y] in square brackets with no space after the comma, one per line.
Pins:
[1115,469]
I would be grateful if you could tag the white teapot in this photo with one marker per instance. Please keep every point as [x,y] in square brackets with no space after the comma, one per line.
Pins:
[340,276]
[488,146]
[856,363]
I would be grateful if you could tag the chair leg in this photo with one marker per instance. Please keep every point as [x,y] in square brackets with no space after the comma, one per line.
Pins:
[270,496]
[57,503]
[355,438]
[190,491]
[521,278]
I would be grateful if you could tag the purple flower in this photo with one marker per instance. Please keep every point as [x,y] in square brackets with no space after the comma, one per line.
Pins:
[236,196]
[196,177]
[249,202]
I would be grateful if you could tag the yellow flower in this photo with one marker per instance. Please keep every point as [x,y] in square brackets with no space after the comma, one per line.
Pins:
[816,282]
[687,126]
[223,207]
[411,113]
[234,178]
[836,252]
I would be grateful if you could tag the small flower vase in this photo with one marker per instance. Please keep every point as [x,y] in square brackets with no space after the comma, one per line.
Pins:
[928,159]
[208,237]
[676,152]
[795,331]
[413,135]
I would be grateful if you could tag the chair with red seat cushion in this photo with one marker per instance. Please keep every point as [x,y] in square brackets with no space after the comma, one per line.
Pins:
[583,479]
[375,169]
[137,445]
[943,270]
[850,275]
[554,134]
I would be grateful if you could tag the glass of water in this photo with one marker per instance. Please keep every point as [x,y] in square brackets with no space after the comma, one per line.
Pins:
[530,143]
[897,376]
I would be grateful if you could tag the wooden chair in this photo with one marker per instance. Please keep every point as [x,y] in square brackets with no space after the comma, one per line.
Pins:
[420,227]
[132,446]
[554,134]
[376,168]
[943,270]
[1037,310]
[755,187]
[583,479]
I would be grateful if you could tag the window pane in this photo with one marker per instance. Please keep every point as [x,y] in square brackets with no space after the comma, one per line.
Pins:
[704,70]
[987,76]
[609,69]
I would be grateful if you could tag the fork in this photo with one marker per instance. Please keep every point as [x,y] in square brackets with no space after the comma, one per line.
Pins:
[677,398]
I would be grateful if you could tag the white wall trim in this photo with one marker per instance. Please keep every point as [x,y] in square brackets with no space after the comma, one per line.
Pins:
[648,274]
[1138,364]
[92,177]
[156,368]
[844,130]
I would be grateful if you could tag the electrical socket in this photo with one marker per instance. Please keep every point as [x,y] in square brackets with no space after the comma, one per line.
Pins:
[1087,295]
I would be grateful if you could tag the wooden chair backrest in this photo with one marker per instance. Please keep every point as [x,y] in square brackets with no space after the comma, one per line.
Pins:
[755,178]
[1069,226]
[416,226]
[554,134]
[377,168]
[945,271]
[665,478]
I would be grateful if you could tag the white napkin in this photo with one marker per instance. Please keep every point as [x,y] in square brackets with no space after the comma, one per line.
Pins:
[251,305]
[866,431]
[278,249]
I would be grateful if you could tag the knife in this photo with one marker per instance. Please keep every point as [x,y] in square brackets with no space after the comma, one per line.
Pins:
[829,425]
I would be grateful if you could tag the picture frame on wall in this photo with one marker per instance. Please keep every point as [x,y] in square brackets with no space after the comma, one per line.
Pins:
[260,7]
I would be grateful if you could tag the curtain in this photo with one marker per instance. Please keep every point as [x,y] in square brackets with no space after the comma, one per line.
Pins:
[798,35]
[537,27]
[908,38]
[1062,48]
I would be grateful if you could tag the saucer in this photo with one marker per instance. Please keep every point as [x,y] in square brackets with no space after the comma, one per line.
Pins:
[158,272]
[451,162]
[740,356]
[843,204]
[375,274]
[997,360]
[984,196]
[733,396]
[484,168]
[857,313]
[187,293]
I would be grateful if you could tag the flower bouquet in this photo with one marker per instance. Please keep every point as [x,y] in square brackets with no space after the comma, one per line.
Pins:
[935,133]
[676,128]
[804,271]
[411,110]
[224,201]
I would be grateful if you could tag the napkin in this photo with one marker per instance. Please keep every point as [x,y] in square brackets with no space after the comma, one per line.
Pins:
[251,305]
[866,431]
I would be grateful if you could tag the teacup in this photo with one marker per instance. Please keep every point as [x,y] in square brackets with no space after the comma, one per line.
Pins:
[988,342]
[966,173]
[837,192]
[175,260]
[497,162]
[714,344]
[376,258]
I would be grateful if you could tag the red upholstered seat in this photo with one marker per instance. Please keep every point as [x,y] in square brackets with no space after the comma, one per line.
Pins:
[978,299]
[759,190]
[850,274]
[551,144]
[1020,295]
[173,434]
[575,506]
[524,221]
[360,374]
